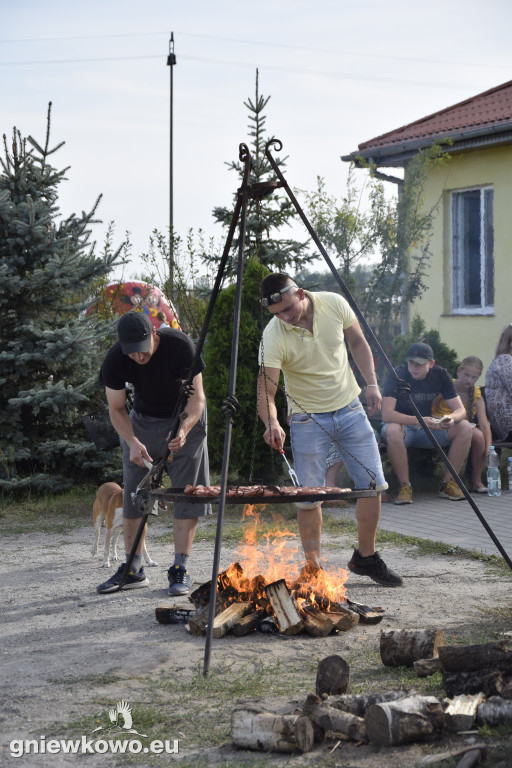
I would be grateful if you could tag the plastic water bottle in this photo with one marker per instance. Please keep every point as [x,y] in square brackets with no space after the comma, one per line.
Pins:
[509,473]
[493,473]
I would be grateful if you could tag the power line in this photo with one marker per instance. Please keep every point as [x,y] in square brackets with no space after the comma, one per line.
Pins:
[259,43]
[228,63]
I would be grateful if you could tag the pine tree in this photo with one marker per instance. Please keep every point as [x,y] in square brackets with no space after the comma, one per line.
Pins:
[49,349]
[268,216]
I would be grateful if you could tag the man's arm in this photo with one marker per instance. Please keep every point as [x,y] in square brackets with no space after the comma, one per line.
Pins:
[194,408]
[392,416]
[116,399]
[458,413]
[268,379]
[363,358]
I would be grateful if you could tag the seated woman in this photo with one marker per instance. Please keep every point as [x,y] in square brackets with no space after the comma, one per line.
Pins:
[468,373]
[498,388]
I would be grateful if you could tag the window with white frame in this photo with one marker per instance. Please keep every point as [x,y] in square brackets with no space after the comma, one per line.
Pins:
[472,251]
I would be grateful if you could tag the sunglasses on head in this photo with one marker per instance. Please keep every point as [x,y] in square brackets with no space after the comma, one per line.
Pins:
[275,298]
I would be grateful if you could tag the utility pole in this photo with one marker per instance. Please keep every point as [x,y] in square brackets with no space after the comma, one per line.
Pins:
[171,61]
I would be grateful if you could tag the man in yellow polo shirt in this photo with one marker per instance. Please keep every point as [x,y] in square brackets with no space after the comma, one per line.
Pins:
[306,341]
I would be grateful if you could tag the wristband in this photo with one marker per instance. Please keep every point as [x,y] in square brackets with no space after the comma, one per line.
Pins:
[372,385]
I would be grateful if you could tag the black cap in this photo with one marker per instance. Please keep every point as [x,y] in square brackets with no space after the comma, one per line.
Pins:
[134,331]
[420,352]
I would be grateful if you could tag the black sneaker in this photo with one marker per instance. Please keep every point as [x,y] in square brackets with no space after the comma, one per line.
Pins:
[133,581]
[374,567]
[179,581]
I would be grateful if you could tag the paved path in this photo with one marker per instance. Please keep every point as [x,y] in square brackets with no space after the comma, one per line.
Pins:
[451,522]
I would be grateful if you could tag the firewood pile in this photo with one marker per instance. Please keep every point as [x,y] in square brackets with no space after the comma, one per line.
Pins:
[245,605]
[477,680]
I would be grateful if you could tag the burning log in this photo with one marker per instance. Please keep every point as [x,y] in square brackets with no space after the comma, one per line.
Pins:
[402,648]
[230,616]
[198,622]
[468,658]
[415,718]
[332,676]
[248,623]
[357,704]
[487,681]
[460,714]
[284,608]
[494,711]
[426,667]
[330,719]
[317,623]
[253,728]
[367,615]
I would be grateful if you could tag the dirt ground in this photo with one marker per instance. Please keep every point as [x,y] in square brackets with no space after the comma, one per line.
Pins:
[68,653]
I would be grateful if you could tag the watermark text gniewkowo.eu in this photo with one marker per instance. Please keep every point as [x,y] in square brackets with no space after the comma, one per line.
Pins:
[88,746]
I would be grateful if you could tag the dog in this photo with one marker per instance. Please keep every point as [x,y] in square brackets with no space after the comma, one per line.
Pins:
[108,508]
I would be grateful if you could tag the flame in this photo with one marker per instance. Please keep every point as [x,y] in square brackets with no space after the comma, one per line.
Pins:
[258,565]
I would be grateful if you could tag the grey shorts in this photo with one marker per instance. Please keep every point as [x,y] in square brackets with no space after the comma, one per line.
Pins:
[189,466]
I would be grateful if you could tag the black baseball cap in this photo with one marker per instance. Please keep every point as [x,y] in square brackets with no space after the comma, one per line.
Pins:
[420,352]
[134,331]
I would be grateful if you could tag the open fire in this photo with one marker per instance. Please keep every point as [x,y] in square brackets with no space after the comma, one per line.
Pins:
[266,590]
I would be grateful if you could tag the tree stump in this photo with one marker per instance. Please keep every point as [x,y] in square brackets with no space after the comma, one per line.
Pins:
[332,676]
[415,718]
[401,648]
[253,728]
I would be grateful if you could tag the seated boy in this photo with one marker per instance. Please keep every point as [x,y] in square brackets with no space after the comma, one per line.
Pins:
[401,429]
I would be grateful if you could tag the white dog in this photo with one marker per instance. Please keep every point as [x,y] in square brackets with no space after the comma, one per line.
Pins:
[108,508]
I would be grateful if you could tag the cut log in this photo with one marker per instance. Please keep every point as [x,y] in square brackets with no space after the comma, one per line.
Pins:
[168,612]
[487,681]
[401,648]
[334,720]
[470,759]
[284,608]
[468,658]
[332,676]
[229,616]
[506,693]
[415,718]
[460,714]
[441,756]
[317,623]
[367,615]
[198,622]
[248,623]
[426,667]
[357,704]
[252,728]
[494,711]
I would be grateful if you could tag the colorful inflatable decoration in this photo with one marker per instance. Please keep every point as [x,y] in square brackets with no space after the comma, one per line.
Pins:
[125,296]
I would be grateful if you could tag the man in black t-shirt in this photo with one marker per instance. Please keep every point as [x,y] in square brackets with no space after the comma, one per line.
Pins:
[156,363]
[401,429]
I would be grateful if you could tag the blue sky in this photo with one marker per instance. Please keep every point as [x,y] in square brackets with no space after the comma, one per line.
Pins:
[338,73]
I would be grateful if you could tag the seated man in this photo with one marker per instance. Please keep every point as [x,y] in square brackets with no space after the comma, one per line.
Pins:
[401,429]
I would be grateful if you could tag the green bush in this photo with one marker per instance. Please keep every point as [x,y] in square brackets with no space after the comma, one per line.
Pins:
[445,356]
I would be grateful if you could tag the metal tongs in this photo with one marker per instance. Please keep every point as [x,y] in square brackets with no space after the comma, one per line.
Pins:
[291,472]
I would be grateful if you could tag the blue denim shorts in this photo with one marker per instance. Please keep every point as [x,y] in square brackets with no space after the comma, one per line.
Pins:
[416,437]
[349,426]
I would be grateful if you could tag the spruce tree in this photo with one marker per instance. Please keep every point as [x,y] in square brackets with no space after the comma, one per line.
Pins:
[266,217]
[49,348]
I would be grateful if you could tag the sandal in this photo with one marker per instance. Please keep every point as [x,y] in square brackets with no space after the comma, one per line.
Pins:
[482,489]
